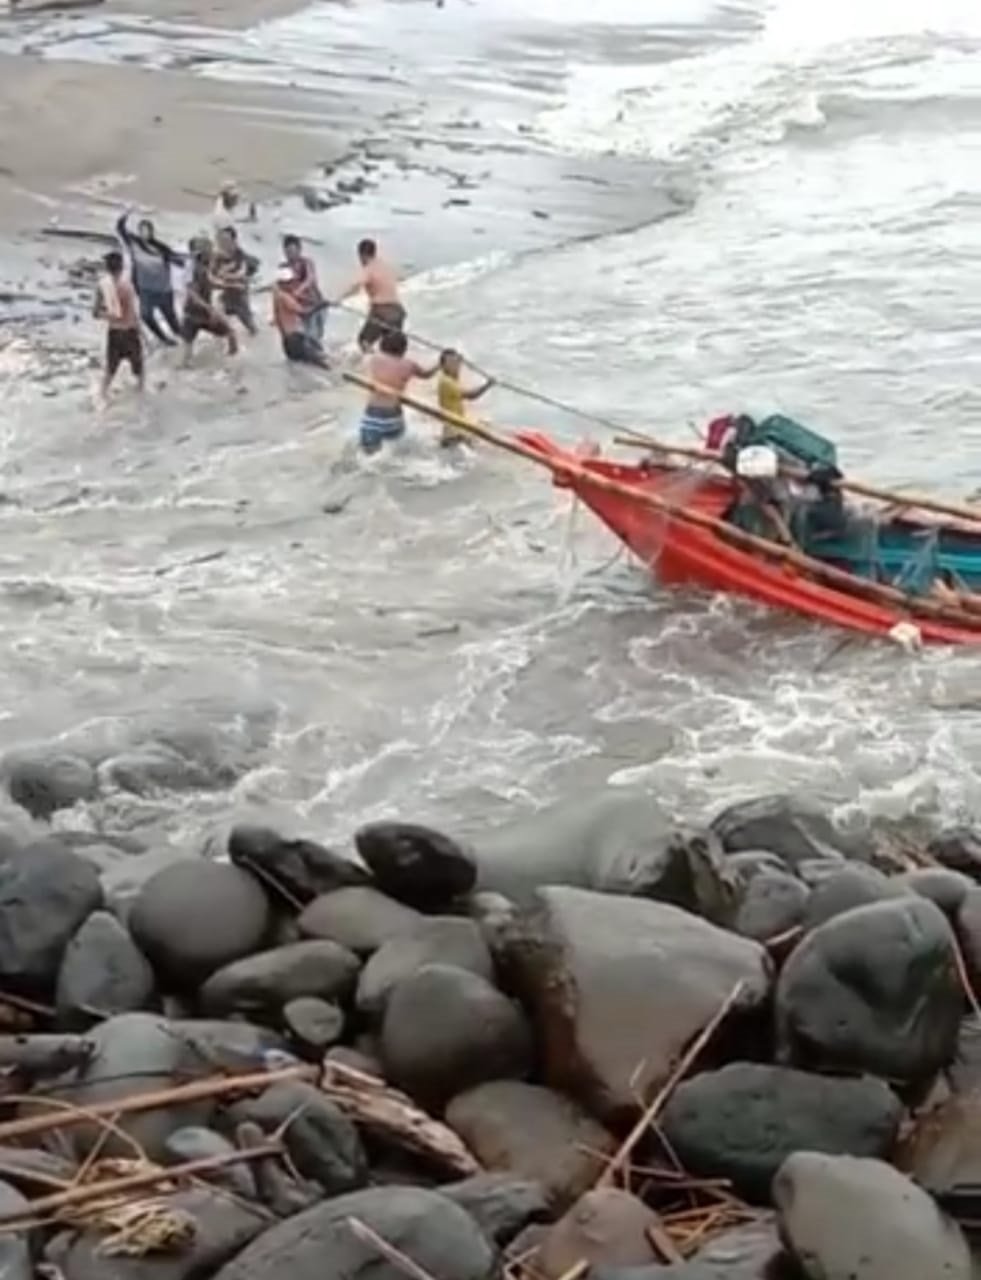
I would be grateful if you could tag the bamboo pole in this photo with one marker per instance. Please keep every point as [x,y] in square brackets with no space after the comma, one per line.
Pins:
[908,501]
[573,473]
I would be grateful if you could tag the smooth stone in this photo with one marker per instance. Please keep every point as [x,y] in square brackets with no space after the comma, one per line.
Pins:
[568,843]
[743,1121]
[103,973]
[195,917]
[297,871]
[790,827]
[501,1206]
[446,1030]
[958,849]
[532,1133]
[605,1227]
[435,1233]
[224,1226]
[219,1046]
[618,987]
[322,1142]
[16,1262]
[48,781]
[314,1025]
[136,1053]
[772,903]
[198,1143]
[848,1219]
[852,886]
[123,879]
[445,940]
[416,865]
[260,985]
[947,889]
[873,990]
[46,894]
[361,919]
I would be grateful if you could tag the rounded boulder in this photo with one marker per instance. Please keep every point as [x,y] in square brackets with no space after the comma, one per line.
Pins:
[415,864]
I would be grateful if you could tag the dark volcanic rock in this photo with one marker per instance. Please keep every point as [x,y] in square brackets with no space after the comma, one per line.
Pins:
[49,781]
[772,903]
[15,1253]
[313,1025]
[852,886]
[46,894]
[874,989]
[198,1143]
[500,1205]
[297,870]
[224,1227]
[433,940]
[947,889]
[446,1030]
[784,825]
[742,1122]
[533,1133]
[359,918]
[958,849]
[619,987]
[262,984]
[319,1244]
[323,1144]
[103,972]
[193,918]
[848,1219]
[416,865]
[605,1227]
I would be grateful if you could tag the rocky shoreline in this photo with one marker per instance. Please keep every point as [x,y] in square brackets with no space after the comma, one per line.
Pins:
[591,1044]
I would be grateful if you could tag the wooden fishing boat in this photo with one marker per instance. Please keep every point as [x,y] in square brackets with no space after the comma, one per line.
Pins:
[897,571]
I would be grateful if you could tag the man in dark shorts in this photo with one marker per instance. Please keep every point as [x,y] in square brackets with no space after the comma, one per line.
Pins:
[232,269]
[116,303]
[289,316]
[200,316]
[379,281]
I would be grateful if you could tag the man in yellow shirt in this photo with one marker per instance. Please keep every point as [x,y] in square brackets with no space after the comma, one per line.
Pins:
[453,396]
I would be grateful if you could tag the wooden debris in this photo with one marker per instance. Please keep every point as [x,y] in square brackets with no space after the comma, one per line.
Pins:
[80,233]
[391,1115]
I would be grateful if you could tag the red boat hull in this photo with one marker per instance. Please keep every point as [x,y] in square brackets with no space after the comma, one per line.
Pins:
[682,554]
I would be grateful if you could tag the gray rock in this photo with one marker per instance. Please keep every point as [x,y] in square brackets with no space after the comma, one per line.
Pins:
[319,1244]
[103,972]
[620,986]
[688,869]
[260,985]
[500,1205]
[958,849]
[849,1219]
[605,1228]
[852,886]
[123,879]
[432,940]
[44,783]
[313,1025]
[361,919]
[874,990]
[297,871]
[785,825]
[416,865]
[967,925]
[224,1227]
[198,1143]
[446,1030]
[742,1122]
[15,1252]
[535,1134]
[193,918]
[751,862]
[947,889]
[772,903]
[46,894]
[322,1143]
[815,871]
[218,1046]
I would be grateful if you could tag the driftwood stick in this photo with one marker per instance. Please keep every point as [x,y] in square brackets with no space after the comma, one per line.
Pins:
[391,1115]
[623,1155]
[388,1251]
[214,1087]
[111,1187]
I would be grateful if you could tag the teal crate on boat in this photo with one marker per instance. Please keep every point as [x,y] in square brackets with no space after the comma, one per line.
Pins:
[795,441]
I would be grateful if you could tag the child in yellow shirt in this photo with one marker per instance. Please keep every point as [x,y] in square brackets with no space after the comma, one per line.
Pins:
[453,397]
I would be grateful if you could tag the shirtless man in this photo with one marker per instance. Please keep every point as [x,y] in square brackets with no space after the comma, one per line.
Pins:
[379,280]
[390,371]
[116,303]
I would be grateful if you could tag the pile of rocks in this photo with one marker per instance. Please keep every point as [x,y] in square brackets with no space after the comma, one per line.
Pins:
[513,1005]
